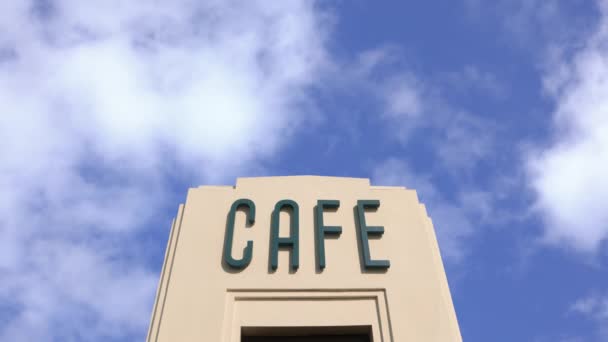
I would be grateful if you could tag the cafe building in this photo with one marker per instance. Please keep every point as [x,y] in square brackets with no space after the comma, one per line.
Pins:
[302,258]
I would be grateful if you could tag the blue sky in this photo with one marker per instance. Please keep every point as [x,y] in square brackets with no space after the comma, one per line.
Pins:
[497,113]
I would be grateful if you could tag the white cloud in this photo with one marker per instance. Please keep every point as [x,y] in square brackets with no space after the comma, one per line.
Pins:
[409,104]
[595,308]
[403,98]
[593,305]
[569,177]
[531,24]
[100,101]
[464,140]
[400,94]
[471,78]
[452,224]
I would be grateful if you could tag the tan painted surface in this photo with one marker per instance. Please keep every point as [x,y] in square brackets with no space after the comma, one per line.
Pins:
[201,299]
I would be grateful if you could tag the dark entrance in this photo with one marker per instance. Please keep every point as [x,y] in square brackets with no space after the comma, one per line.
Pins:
[307,334]
[318,338]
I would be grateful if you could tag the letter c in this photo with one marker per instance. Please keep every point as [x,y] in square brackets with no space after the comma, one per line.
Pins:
[248,250]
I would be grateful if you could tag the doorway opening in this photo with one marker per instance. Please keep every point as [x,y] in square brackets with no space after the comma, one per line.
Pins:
[307,334]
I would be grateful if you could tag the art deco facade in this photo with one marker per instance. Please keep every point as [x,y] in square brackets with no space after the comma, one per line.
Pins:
[303,258]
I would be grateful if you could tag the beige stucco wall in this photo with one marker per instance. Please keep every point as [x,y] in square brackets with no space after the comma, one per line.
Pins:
[200,298]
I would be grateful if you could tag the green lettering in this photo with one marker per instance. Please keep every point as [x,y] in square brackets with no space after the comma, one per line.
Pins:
[365,231]
[323,230]
[248,250]
[292,241]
